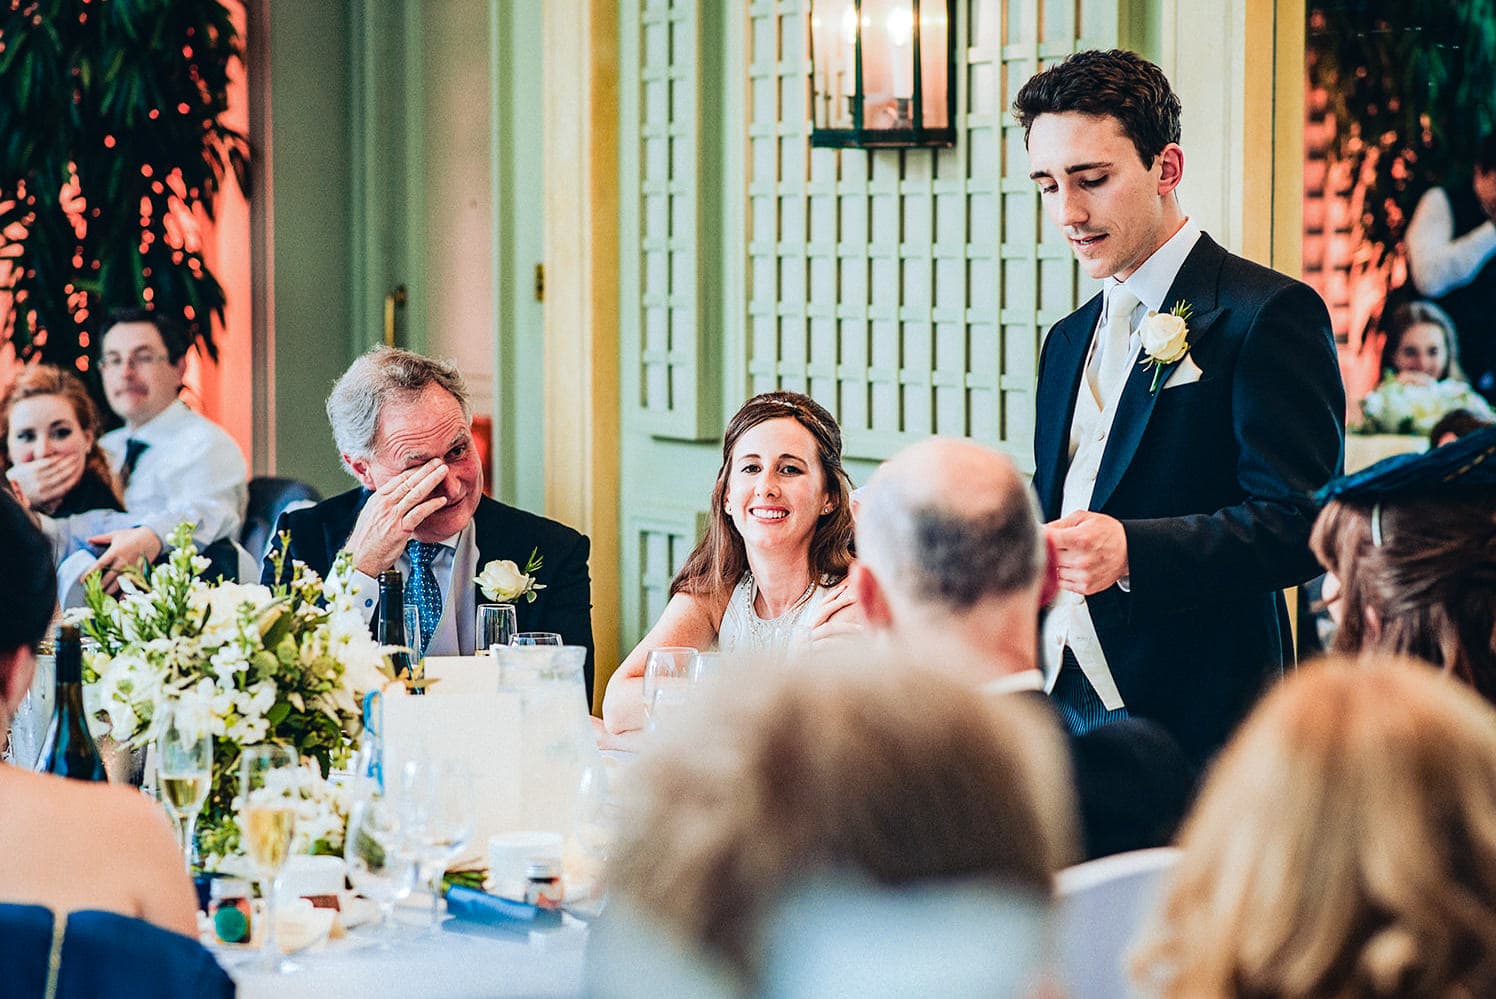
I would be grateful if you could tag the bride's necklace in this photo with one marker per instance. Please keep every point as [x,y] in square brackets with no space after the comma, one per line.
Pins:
[765,631]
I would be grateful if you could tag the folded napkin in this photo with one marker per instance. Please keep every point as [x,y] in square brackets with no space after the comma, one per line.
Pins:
[489,910]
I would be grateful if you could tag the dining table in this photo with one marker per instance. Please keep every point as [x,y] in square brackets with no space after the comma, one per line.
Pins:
[458,961]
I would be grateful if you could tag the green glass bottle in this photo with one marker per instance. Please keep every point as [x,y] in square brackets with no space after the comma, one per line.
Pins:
[69,749]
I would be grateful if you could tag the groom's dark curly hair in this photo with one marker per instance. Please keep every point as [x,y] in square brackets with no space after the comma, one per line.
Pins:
[1117,83]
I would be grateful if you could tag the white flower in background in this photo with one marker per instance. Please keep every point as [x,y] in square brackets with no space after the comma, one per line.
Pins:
[1396,407]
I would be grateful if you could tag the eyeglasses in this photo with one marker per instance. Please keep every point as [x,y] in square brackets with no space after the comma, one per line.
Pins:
[139,359]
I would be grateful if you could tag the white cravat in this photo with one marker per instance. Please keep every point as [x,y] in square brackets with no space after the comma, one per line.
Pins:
[1108,367]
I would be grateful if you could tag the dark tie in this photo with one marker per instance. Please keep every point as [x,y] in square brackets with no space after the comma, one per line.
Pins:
[133,450]
[421,591]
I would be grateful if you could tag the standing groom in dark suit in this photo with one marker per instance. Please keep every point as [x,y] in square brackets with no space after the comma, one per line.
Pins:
[402,425]
[1174,457]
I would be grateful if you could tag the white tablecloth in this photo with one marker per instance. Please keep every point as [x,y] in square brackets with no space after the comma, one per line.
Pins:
[455,963]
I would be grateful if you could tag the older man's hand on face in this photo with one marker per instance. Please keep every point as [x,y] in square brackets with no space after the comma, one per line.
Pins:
[125,548]
[393,513]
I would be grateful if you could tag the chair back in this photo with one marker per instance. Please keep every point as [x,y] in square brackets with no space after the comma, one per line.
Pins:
[269,497]
[1102,906]
[104,953]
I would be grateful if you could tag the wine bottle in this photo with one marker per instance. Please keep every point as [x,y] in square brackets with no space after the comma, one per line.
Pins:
[69,749]
[389,621]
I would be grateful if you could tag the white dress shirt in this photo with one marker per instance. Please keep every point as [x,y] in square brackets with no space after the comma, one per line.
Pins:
[192,470]
[455,566]
[1441,263]
[1069,622]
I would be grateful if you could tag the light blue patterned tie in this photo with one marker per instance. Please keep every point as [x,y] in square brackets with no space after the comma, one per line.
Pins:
[421,590]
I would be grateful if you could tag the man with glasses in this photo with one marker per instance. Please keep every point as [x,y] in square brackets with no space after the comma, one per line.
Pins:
[173,464]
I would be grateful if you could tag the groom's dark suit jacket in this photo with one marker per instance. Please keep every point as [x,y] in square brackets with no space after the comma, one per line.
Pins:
[1211,481]
[501,532]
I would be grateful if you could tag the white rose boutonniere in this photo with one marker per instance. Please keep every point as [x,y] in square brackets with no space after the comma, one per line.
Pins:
[503,581]
[1165,337]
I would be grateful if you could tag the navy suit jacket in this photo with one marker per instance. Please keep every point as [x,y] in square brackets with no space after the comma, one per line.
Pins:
[502,532]
[1212,482]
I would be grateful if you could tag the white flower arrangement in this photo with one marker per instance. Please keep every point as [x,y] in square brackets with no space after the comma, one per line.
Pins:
[503,581]
[321,816]
[1396,407]
[245,663]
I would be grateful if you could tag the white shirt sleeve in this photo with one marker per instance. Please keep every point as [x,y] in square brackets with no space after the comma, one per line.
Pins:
[1439,262]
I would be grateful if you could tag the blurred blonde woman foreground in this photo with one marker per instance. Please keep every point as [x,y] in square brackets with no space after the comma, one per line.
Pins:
[892,776]
[1344,846]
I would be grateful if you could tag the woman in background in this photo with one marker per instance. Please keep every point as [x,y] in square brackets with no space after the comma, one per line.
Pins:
[1420,345]
[1344,847]
[49,429]
[774,559]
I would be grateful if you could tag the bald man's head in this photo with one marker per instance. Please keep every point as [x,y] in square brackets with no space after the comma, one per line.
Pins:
[950,522]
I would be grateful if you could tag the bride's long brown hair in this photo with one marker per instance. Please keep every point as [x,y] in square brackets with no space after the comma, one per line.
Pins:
[720,559]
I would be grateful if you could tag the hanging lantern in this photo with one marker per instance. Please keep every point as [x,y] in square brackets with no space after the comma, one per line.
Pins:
[882,73]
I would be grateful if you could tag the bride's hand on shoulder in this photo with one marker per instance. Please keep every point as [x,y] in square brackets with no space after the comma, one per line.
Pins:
[840,616]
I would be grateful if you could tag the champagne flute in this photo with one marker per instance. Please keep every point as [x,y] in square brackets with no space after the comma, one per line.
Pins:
[436,816]
[184,773]
[267,819]
[536,638]
[496,625]
[666,666]
[378,866]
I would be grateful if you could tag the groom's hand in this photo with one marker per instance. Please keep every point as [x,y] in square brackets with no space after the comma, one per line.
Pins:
[1090,551]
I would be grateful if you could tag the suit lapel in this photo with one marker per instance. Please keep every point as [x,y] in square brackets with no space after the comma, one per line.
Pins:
[1064,362]
[1197,284]
[485,537]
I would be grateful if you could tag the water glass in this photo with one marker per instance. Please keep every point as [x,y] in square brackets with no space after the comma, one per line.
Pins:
[184,774]
[668,667]
[269,792]
[413,637]
[435,807]
[379,867]
[536,638]
[496,625]
[705,665]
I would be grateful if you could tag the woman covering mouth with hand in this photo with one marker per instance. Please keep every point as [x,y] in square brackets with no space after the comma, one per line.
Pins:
[771,569]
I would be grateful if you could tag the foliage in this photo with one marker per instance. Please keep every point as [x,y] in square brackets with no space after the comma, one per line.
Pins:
[110,140]
[1410,85]
[245,663]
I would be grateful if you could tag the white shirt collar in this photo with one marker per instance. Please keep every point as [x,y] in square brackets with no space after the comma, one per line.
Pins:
[1013,683]
[1151,282]
[162,427]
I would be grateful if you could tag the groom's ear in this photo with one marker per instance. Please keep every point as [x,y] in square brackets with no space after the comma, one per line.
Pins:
[1171,162]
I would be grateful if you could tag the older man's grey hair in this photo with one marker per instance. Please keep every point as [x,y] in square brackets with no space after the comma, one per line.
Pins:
[952,554]
[382,374]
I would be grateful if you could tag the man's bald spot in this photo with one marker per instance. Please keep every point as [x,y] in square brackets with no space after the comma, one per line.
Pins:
[950,521]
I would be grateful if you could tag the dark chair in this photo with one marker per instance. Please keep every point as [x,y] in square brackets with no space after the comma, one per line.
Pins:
[269,497]
[103,953]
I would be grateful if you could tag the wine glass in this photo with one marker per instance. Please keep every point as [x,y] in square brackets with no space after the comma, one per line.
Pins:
[496,624]
[378,866]
[413,638]
[536,638]
[184,773]
[267,819]
[436,817]
[666,667]
[705,665]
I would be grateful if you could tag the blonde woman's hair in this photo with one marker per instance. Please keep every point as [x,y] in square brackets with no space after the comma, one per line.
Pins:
[1344,846]
[893,774]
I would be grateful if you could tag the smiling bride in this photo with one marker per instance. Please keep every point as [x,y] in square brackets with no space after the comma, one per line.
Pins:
[771,569]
